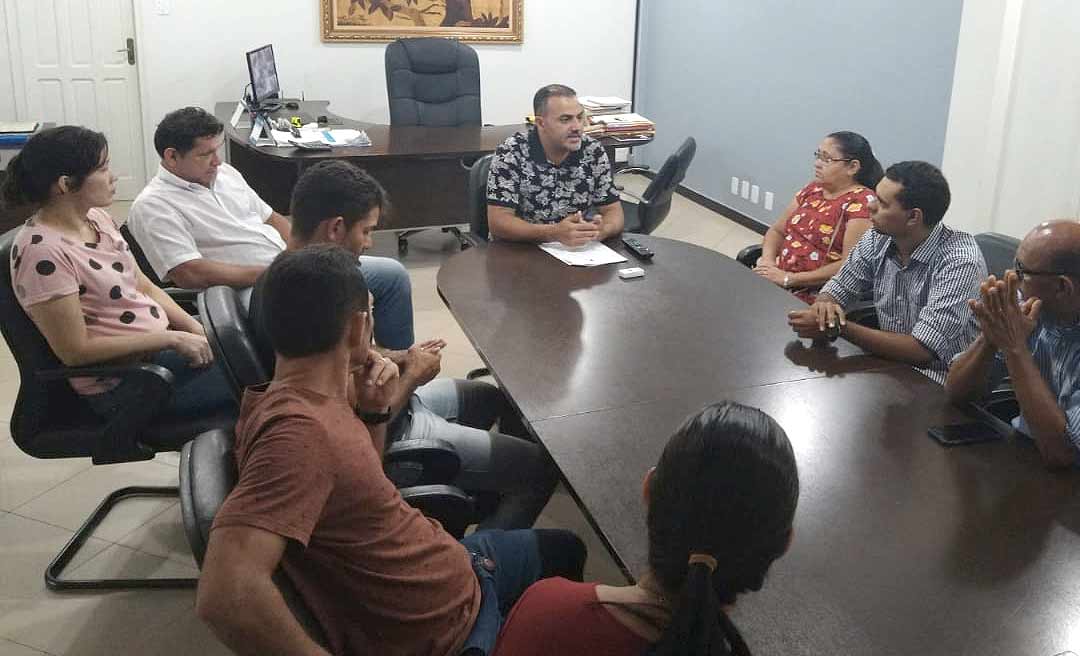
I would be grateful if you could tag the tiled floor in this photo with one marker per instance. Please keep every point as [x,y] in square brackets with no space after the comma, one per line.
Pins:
[43,501]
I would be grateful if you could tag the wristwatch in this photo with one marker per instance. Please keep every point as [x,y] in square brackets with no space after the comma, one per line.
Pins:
[374,418]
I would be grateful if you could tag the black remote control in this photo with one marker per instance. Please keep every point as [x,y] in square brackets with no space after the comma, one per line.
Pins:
[637,248]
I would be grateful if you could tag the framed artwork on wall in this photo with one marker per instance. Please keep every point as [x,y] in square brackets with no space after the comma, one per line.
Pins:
[476,21]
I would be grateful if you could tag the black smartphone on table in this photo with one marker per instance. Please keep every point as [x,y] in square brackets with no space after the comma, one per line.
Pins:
[971,432]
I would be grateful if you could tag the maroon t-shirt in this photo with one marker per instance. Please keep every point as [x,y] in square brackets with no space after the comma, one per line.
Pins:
[557,616]
[379,576]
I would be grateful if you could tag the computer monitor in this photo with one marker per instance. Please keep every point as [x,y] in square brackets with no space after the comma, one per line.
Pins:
[265,91]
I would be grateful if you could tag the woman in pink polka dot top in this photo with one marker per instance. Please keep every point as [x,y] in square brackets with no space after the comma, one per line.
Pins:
[76,278]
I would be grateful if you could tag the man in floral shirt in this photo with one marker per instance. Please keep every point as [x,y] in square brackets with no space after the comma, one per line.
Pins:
[553,183]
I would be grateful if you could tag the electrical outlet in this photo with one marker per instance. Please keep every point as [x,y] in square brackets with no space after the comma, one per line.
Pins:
[744,189]
[768,200]
[734,185]
[163,7]
[755,194]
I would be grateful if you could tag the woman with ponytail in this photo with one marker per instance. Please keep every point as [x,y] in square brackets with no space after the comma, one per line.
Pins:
[721,503]
[813,236]
[77,280]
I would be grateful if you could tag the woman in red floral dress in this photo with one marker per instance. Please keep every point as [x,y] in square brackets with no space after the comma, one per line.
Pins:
[814,235]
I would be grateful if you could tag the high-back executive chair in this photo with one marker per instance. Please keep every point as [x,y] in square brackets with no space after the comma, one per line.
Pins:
[653,206]
[432,82]
[51,421]
[998,250]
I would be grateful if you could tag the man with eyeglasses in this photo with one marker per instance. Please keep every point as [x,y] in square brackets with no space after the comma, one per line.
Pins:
[1030,325]
[921,273]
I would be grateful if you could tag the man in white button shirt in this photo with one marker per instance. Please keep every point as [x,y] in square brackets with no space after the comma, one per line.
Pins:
[200,225]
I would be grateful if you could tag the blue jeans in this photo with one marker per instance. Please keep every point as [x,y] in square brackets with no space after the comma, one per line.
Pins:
[506,563]
[195,391]
[462,412]
[389,283]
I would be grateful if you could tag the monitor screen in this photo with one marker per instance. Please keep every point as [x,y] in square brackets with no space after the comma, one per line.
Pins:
[263,70]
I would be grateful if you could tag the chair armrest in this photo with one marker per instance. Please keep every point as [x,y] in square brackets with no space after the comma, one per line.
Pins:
[631,194]
[448,504]
[748,256]
[421,462]
[180,294]
[119,441]
[473,240]
[1002,404]
[150,374]
[632,169]
[185,298]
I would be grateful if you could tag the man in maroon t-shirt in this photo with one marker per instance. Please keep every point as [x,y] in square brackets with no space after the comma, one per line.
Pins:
[312,498]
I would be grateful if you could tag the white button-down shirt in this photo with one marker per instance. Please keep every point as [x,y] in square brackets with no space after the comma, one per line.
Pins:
[176,221]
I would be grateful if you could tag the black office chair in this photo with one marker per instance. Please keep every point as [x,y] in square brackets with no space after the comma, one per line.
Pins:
[419,467]
[478,221]
[864,313]
[432,82]
[185,298]
[998,250]
[653,206]
[477,200]
[51,421]
[207,475]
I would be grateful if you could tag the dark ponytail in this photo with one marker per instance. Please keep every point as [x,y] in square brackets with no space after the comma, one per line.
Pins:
[721,506]
[855,146]
[49,155]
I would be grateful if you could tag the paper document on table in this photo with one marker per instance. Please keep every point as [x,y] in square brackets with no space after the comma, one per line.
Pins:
[592,254]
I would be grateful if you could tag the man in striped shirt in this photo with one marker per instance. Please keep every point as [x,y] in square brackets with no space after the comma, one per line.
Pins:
[1035,338]
[921,272]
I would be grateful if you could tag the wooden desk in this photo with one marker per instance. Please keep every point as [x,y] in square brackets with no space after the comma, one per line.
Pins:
[422,168]
[901,546]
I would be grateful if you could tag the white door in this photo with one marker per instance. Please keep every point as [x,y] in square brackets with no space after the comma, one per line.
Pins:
[74,65]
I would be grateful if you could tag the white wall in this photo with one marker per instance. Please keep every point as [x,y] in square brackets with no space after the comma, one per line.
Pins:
[1012,152]
[195,56]
[7,87]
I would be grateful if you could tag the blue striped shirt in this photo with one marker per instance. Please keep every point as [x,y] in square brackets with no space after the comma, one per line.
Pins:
[926,299]
[1056,350]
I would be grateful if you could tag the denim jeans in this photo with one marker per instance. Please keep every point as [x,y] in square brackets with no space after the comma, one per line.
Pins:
[506,563]
[462,412]
[195,391]
[389,284]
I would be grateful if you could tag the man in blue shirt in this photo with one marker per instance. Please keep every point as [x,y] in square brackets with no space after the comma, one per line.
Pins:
[1030,325]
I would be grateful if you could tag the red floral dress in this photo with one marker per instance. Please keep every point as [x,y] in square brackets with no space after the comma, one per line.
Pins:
[814,233]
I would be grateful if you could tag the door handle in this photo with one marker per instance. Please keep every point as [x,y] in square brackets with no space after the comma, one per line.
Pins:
[130,50]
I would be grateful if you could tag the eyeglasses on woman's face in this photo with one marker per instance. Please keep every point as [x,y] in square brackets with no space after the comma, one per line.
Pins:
[826,158]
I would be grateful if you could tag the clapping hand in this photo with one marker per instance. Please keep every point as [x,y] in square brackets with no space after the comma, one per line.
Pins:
[1005,323]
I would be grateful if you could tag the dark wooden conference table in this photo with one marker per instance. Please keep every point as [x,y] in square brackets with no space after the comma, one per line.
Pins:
[901,546]
[422,168]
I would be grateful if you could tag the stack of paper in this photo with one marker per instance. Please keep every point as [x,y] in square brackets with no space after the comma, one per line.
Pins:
[625,125]
[339,137]
[592,254]
[600,105]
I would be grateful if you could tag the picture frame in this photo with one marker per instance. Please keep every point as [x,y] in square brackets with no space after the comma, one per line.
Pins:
[474,21]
